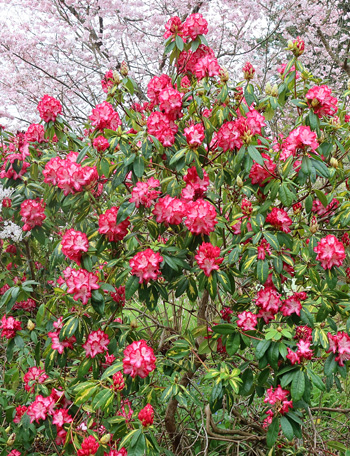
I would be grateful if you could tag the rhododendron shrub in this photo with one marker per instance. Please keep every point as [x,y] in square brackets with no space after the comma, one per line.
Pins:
[175,272]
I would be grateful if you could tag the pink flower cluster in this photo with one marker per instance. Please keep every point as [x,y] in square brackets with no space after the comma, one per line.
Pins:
[58,344]
[232,135]
[319,209]
[201,217]
[32,212]
[156,85]
[279,219]
[143,194]
[194,25]
[320,99]
[118,295]
[303,352]
[139,359]
[278,398]
[145,265]
[300,139]
[108,225]
[247,321]
[160,126]
[49,108]
[35,133]
[330,252]
[118,382]
[268,300]
[263,249]
[200,63]
[103,116]
[9,327]
[146,415]
[74,243]
[340,344]
[97,342]
[68,175]
[169,210]
[195,187]
[108,81]
[79,283]
[170,102]
[100,143]
[208,258]
[194,135]
[28,305]
[262,174]
[34,375]
[89,446]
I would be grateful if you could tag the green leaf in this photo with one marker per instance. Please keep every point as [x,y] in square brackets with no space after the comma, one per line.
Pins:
[69,328]
[262,270]
[255,155]
[285,195]
[84,367]
[192,292]
[316,380]
[330,366]
[124,211]
[176,157]
[111,370]
[50,360]
[287,428]
[139,166]
[212,285]
[232,343]
[298,385]
[272,240]
[179,43]
[261,348]
[85,393]
[272,432]
[225,328]
[103,400]
[322,197]
[131,286]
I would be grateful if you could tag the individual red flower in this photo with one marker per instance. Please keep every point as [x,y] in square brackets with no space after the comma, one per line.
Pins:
[201,217]
[229,136]
[169,210]
[303,332]
[278,397]
[108,225]
[20,411]
[74,243]
[330,252]
[61,417]
[195,187]
[118,295]
[146,415]
[9,327]
[269,302]
[49,108]
[39,409]
[293,357]
[145,265]
[35,375]
[139,359]
[89,446]
[143,194]
[246,207]
[247,321]
[319,99]
[291,305]
[195,25]
[80,283]
[226,313]
[14,453]
[100,143]
[58,344]
[279,219]
[194,135]
[96,343]
[208,258]
[32,212]
[28,305]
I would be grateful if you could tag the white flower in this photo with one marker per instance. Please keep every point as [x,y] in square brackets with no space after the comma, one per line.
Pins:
[5,193]
[11,231]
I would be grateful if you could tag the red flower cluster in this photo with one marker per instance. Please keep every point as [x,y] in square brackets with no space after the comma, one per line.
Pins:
[160,126]
[20,411]
[303,352]
[96,343]
[119,295]
[146,415]
[208,258]
[340,343]
[248,71]
[200,63]
[28,305]
[108,225]
[269,302]
[194,135]
[247,321]
[292,305]
[246,207]
[74,243]
[143,194]
[49,108]
[279,219]
[139,359]
[9,326]
[278,398]
[319,98]
[118,381]
[68,175]
[107,81]
[35,133]
[226,313]
[262,175]
[58,344]
[169,210]
[170,102]
[89,446]
[32,212]
[145,265]
[298,140]
[103,116]
[156,85]
[263,248]
[79,283]
[174,27]
[100,143]
[194,25]
[330,252]
[319,209]
[201,217]
[303,332]
[35,375]
[195,187]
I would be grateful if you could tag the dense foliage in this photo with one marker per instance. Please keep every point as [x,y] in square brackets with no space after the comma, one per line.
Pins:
[176,281]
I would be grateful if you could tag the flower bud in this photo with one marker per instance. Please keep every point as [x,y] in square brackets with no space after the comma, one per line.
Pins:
[268,88]
[30,325]
[105,439]
[274,91]
[313,225]
[223,74]
[8,429]
[239,182]
[116,77]
[11,440]
[248,71]
[334,162]
[124,70]
[133,324]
